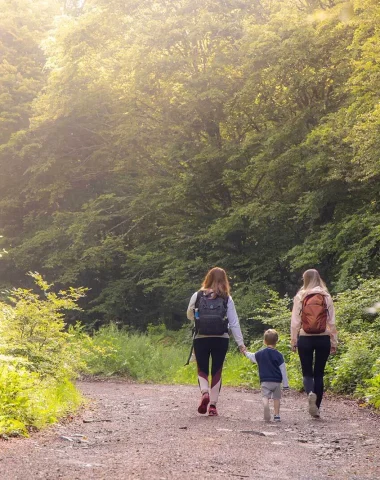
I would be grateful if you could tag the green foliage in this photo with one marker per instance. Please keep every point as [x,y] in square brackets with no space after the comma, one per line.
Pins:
[373,386]
[275,311]
[238,371]
[111,351]
[165,139]
[29,400]
[22,25]
[355,308]
[33,329]
[37,361]
[355,365]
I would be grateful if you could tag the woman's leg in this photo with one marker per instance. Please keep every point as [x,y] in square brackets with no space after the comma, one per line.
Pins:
[219,349]
[202,354]
[305,351]
[322,351]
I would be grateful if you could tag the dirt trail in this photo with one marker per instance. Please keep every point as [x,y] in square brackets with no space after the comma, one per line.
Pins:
[153,432]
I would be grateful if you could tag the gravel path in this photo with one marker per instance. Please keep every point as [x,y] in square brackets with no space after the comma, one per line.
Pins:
[153,432]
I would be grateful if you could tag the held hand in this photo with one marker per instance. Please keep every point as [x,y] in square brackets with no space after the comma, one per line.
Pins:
[294,348]
[332,350]
[285,390]
[242,349]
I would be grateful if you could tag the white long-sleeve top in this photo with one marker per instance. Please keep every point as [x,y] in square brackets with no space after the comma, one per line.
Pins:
[233,320]
[296,323]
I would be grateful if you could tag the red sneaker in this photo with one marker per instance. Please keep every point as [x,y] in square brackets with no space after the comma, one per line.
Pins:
[204,402]
[212,412]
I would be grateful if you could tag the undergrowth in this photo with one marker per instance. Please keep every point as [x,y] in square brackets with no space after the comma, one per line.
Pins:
[37,364]
[40,357]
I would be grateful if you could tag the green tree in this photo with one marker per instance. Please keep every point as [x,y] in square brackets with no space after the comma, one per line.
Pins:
[171,137]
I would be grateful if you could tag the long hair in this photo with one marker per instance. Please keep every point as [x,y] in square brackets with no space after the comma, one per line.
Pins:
[311,279]
[217,281]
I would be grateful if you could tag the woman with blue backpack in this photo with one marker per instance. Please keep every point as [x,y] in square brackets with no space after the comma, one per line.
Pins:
[313,334]
[213,312]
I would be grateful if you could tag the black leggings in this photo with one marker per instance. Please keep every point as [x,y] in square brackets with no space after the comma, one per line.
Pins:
[216,348]
[313,374]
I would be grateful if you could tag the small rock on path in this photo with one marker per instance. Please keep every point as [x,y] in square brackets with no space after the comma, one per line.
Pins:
[153,432]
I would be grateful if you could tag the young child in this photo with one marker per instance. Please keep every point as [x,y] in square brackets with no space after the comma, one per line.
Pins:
[272,372]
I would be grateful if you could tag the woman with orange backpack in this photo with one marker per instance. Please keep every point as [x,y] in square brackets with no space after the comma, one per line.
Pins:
[314,334]
[213,312]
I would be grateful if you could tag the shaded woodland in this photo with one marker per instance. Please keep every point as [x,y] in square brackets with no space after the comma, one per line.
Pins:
[144,141]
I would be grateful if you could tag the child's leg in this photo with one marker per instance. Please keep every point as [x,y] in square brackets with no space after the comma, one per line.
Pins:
[266,409]
[276,393]
[266,393]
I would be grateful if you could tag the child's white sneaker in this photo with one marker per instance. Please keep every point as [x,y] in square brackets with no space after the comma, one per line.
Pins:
[277,418]
[313,409]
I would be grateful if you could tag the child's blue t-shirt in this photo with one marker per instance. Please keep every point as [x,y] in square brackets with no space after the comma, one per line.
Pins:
[268,361]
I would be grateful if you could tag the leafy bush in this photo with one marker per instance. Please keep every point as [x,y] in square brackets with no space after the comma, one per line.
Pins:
[28,400]
[355,308]
[36,358]
[353,368]
[33,329]
[372,391]
[275,312]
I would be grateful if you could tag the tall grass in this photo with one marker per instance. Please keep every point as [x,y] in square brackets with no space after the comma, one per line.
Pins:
[158,356]
[142,357]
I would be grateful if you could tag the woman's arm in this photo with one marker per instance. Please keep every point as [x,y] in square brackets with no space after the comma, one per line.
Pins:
[285,382]
[331,326]
[295,324]
[234,324]
[191,307]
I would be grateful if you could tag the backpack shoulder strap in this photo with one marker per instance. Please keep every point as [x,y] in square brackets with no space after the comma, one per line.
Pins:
[307,297]
[325,304]
[225,303]
[199,295]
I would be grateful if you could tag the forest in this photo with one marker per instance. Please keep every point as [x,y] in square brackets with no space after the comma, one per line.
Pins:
[145,141]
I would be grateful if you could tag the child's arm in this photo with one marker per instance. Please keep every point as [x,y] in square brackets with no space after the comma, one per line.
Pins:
[285,382]
[251,356]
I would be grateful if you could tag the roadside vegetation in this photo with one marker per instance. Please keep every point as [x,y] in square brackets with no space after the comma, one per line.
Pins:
[37,366]
[40,357]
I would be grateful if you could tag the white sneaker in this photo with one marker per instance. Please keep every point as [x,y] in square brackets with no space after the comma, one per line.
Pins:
[266,413]
[313,409]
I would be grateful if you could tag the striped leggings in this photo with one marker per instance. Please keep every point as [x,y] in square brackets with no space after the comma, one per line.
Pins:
[216,348]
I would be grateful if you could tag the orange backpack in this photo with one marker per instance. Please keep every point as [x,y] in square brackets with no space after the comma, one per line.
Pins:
[314,313]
